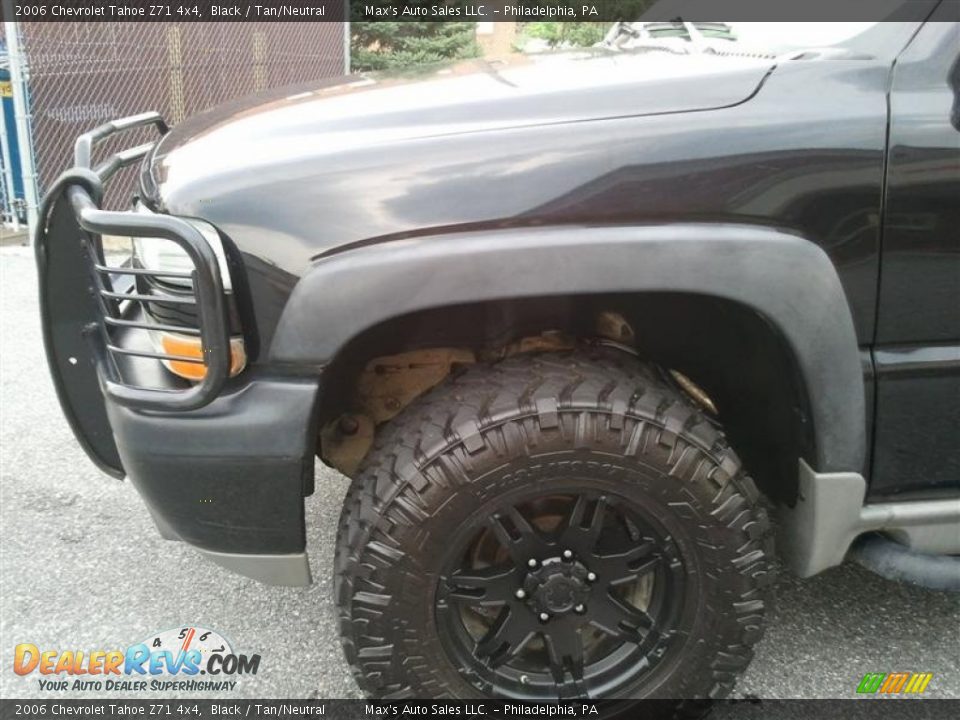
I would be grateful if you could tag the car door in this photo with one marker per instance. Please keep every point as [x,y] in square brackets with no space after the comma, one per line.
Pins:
[917,350]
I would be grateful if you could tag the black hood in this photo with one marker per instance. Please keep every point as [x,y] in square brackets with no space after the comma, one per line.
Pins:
[365,112]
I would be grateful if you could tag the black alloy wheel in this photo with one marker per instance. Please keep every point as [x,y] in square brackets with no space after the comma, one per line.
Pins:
[573,595]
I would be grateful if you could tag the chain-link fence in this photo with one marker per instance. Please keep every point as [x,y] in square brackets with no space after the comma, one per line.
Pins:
[82,74]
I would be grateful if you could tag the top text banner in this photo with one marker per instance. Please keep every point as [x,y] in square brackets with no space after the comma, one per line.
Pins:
[461,10]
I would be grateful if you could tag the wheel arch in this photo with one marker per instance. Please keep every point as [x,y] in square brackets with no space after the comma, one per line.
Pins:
[767,303]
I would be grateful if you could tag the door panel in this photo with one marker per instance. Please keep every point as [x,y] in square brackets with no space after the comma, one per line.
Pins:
[917,434]
[917,354]
[919,299]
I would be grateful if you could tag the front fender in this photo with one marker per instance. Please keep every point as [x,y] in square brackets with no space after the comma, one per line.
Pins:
[782,276]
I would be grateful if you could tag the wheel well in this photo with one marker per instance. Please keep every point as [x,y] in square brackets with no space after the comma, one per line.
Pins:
[732,352]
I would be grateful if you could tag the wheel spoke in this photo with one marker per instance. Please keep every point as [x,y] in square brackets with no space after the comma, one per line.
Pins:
[565,651]
[619,568]
[489,586]
[581,534]
[509,634]
[619,619]
[522,540]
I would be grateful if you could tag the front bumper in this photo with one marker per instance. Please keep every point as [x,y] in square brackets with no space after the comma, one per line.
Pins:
[224,464]
[229,478]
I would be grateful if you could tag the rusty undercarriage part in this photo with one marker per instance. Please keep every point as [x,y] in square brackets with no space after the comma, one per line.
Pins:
[613,326]
[386,386]
[696,393]
[346,441]
[390,383]
[547,341]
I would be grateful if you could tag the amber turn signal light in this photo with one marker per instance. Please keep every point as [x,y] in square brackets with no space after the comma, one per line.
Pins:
[191,347]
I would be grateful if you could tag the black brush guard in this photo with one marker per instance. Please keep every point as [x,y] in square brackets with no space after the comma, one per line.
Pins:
[85,310]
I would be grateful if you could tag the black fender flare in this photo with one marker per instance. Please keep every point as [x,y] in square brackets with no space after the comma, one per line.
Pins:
[784,277]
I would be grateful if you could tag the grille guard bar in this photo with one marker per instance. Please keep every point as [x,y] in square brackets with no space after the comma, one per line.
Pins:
[208,289]
[83,148]
[78,309]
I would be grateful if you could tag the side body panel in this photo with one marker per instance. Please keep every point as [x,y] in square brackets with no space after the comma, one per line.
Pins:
[918,330]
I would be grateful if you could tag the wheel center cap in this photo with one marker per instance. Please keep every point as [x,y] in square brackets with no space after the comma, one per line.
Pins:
[560,594]
[559,587]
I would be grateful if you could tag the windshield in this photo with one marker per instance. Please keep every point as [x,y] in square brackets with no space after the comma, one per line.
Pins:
[867,35]
[759,39]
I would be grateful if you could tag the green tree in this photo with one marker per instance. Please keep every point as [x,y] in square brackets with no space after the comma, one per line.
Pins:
[578,34]
[398,44]
[582,34]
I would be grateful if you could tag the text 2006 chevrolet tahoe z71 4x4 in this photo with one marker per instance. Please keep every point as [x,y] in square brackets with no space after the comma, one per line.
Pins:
[573,329]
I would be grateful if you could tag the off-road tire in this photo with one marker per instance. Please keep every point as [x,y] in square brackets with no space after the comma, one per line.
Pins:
[442,458]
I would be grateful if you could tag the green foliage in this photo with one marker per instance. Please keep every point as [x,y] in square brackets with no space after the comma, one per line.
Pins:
[401,44]
[582,33]
[578,34]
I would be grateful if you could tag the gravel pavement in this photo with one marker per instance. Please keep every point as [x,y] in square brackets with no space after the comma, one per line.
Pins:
[82,566]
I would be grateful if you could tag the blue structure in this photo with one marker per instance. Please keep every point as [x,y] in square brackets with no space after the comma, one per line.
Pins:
[10,124]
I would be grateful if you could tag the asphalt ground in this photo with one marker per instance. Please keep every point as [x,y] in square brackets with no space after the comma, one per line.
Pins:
[82,567]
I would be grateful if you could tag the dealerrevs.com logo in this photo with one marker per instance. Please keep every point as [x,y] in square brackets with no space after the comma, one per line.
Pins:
[182,659]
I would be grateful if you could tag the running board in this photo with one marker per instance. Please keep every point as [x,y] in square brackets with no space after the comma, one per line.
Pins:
[830,513]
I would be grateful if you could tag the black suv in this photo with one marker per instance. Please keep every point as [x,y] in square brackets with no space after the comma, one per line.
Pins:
[578,328]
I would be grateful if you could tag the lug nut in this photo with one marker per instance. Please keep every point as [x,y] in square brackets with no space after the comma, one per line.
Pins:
[567,554]
[544,617]
[591,577]
[531,563]
[580,609]
[520,594]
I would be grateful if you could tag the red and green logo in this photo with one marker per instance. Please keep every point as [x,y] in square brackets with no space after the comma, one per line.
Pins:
[894,683]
